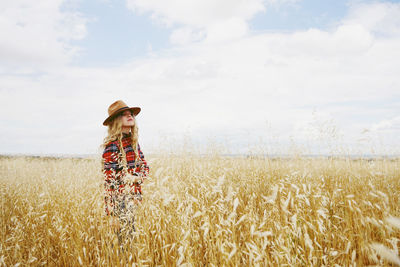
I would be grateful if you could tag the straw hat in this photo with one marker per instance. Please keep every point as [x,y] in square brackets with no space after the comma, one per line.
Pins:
[116,108]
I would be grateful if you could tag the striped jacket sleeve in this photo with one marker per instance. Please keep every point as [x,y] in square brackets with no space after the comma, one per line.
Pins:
[110,167]
[110,161]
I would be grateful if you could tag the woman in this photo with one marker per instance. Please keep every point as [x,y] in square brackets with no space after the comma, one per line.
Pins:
[124,169]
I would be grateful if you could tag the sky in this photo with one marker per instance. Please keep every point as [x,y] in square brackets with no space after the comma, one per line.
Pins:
[255,76]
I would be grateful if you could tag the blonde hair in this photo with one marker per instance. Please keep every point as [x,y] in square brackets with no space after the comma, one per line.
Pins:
[115,133]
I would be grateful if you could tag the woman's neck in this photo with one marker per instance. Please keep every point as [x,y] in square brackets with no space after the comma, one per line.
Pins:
[126,130]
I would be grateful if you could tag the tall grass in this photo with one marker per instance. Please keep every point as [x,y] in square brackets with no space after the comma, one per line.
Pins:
[209,210]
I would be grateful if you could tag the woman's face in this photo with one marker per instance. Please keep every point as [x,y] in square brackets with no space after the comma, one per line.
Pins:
[128,119]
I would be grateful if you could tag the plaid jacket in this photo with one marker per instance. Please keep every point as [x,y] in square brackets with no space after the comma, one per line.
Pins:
[114,182]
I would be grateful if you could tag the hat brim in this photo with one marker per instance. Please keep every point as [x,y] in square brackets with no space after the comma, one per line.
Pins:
[135,110]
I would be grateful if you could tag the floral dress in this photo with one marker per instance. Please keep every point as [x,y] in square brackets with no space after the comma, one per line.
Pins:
[121,191]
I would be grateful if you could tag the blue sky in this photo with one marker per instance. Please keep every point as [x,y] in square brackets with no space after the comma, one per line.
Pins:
[116,35]
[232,71]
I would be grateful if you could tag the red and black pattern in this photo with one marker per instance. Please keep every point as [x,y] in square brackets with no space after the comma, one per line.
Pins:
[114,183]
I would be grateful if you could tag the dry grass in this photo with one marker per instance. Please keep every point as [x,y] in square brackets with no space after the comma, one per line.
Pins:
[205,211]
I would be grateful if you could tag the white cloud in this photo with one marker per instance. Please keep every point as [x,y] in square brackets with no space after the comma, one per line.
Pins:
[186,35]
[380,18]
[36,33]
[227,30]
[209,20]
[388,125]
[197,13]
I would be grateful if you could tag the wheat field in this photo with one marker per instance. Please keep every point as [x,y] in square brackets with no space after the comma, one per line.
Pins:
[205,211]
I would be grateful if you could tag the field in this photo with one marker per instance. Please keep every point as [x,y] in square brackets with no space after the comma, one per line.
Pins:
[205,211]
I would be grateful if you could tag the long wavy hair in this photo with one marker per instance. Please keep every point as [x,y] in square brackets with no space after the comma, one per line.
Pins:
[115,133]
